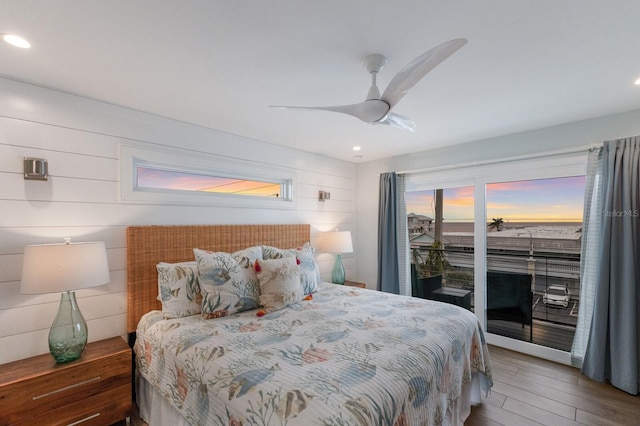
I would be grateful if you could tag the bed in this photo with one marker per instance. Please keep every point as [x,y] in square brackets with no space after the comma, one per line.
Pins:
[338,356]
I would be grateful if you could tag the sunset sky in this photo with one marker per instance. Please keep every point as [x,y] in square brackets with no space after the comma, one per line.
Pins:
[167,179]
[549,200]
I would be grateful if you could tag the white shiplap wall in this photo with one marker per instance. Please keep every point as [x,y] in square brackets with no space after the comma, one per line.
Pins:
[81,140]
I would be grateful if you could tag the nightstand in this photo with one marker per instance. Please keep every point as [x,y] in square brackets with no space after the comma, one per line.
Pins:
[355,284]
[93,390]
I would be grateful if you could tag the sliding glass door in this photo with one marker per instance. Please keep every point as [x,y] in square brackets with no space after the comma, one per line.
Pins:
[440,225]
[533,241]
[513,256]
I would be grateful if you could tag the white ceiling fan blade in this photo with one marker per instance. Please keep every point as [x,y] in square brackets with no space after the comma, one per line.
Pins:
[399,121]
[369,111]
[418,68]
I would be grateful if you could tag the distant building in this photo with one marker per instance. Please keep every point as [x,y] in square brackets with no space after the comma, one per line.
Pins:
[418,223]
[420,240]
[544,239]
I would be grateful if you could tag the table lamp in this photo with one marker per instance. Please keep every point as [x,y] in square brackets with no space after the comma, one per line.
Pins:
[337,242]
[50,268]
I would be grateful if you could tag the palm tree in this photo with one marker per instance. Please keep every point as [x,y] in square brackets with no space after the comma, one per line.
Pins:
[497,223]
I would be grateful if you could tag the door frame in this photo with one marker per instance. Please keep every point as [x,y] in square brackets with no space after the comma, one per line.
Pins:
[541,167]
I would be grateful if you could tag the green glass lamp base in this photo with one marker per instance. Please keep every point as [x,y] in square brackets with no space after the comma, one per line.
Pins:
[337,274]
[68,334]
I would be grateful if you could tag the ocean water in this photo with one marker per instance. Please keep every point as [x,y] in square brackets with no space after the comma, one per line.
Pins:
[468,226]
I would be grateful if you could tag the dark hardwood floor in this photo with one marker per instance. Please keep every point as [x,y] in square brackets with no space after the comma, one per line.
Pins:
[533,391]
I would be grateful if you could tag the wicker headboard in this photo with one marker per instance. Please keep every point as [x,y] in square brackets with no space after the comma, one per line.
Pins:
[149,245]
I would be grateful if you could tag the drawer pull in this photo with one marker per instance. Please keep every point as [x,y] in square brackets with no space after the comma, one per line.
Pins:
[84,420]
[75,385]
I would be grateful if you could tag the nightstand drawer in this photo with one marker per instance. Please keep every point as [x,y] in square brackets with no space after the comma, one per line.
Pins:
[102,409]
[39,391]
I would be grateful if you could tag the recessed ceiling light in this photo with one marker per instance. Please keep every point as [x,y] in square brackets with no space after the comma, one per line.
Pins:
[637,82]
[356,148]
[16,41]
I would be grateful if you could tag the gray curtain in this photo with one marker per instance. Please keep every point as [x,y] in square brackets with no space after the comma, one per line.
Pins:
[614,341]
[402,234]
[590,254]
[387,236]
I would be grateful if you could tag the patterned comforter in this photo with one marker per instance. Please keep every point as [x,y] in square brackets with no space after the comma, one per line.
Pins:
[349,356]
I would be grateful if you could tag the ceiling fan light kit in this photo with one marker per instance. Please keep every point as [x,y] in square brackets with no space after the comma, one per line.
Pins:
[376,108]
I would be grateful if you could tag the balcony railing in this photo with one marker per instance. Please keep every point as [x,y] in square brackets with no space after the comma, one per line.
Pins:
[554,311]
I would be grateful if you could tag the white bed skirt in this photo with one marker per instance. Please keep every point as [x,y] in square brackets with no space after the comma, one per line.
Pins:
[153,408]
[156,411]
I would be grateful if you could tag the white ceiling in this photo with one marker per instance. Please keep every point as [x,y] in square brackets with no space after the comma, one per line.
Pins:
[221,63]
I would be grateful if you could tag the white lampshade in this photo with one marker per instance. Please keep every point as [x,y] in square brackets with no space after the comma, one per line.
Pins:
[335,242]
[50,268]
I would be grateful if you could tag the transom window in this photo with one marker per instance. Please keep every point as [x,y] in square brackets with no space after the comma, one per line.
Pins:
[174,177]
[153,177]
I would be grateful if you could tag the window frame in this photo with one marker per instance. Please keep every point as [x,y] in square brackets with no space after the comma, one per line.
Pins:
[202,164]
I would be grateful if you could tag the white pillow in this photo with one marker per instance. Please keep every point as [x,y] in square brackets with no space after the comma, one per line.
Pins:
[228,281]
[178,289]
[309,271]
[279,283]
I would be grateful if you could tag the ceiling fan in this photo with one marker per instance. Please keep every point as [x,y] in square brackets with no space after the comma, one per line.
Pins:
[376,109]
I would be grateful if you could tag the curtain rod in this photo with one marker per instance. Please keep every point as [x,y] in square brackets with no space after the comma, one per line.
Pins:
[555,153]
